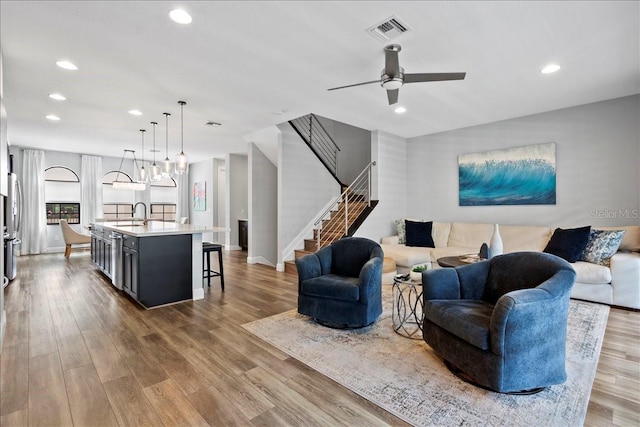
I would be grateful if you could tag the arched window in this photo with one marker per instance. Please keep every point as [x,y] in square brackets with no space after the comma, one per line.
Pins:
[62,189]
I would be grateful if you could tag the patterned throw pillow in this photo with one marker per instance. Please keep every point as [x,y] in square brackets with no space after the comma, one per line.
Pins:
[402,233]
[602,245]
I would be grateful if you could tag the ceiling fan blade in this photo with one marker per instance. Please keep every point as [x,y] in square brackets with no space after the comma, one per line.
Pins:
[391,62]
[392,95]
[432,77]
[357,84]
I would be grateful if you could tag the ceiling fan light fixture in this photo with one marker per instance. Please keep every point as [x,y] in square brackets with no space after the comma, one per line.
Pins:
[392,83]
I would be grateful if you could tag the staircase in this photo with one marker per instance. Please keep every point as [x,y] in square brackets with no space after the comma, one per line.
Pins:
[342,218]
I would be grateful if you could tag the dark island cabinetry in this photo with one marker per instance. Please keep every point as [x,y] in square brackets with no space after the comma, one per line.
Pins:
[157,269]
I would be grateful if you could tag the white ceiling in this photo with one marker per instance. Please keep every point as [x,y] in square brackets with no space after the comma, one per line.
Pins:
[250,65]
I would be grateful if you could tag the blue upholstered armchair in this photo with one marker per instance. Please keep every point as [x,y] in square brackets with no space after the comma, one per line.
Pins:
[501,322]
[341,284]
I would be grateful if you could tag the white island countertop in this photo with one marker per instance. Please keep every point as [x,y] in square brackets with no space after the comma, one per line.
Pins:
[157,228]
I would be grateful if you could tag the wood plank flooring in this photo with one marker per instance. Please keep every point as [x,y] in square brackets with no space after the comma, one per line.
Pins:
[78,352]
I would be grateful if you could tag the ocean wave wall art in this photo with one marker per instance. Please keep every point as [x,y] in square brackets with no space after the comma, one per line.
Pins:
[516,176]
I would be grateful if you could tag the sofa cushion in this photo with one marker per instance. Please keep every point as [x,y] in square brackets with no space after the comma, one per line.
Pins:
[631,238]
[407,256]
[602,245]
[519,238]
[568,243]
[587,272]
[419,234]
[440,233]
[470,235]
[467,319]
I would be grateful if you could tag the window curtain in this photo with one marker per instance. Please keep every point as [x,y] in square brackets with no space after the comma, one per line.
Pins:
[182,204]
[90,189]
[34,215]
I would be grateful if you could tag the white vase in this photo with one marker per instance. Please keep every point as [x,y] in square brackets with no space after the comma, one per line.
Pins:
[496,242]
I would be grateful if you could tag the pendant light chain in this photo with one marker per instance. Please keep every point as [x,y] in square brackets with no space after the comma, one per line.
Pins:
[167,164]
[155,172]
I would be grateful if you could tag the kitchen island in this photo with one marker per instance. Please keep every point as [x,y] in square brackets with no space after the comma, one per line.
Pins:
[156,263]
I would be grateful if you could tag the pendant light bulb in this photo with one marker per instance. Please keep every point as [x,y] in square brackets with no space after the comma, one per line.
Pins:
[167,165]
[182,161]
[155,172]
[143,174]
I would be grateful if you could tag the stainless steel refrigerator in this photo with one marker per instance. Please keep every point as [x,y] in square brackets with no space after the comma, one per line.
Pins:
[13,218]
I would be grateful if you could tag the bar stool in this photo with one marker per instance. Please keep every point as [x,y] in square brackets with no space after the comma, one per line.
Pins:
[207,248]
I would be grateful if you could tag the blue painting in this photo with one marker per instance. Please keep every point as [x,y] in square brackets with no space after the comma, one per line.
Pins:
[515,176]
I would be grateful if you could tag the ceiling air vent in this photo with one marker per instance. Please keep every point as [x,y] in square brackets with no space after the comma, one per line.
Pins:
[388,29]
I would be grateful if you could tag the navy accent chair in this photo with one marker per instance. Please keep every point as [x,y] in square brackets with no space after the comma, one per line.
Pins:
[340,285]
[502,322]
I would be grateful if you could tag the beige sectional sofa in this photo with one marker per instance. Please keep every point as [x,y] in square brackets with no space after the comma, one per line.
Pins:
[618,284]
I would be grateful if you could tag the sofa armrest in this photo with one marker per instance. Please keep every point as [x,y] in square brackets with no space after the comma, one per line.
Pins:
[308,267]
[625,279]
[370,279]
[390,240]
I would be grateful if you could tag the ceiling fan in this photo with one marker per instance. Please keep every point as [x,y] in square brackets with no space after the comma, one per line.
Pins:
[393,75]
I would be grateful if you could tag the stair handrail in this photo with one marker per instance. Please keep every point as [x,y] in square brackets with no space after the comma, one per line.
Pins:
[314,134]
[360,187]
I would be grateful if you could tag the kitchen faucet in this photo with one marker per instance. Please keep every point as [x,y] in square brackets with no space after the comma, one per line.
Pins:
[144,220]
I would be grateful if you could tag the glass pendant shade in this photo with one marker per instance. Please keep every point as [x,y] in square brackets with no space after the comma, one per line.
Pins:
[155,173]
[143,174]
[166,166]
[182,161]
[182,164]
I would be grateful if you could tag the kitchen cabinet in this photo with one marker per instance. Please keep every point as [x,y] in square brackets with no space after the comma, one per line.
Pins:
[243,234]
[101,250]
[157,269]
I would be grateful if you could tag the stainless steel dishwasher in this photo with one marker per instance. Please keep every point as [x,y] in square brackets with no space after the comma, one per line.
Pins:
[117,258]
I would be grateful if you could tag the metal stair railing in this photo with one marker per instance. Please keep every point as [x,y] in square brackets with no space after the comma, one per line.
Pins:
[318,139]
[350,204]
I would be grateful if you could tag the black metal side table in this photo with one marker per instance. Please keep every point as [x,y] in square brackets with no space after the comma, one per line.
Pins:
[407,308]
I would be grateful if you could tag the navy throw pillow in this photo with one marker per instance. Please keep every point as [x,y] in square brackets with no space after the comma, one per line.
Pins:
[568,243]
[419,234]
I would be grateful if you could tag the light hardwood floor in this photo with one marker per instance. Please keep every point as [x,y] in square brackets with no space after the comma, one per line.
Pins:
[78,352]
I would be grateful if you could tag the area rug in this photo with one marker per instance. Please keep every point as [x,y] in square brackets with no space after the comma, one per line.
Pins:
[405,377]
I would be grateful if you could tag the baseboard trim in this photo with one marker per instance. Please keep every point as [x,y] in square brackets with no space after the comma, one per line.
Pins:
[198,294]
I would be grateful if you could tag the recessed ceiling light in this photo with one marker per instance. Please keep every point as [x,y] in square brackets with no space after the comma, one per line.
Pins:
[551,68]
[52,117]
[57,97]
[180,16]
[66,65]
[400,110]
[135,112]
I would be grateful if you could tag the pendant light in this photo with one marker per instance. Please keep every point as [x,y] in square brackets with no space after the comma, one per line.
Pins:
[127,184]
[143,174]
[167,164]
[155,172]
[182,161]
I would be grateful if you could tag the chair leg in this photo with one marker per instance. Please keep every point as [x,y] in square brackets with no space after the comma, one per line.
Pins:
[209,269]
[221,270]
[67,251]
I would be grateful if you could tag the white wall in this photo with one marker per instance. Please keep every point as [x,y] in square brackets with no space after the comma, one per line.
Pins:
[204,172]
[263,208]
[355,148]
[597,164]
[304,187]
[389,185]
[238,196]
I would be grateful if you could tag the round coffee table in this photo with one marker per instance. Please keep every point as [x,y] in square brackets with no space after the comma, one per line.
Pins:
[407,308]
[457,261]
